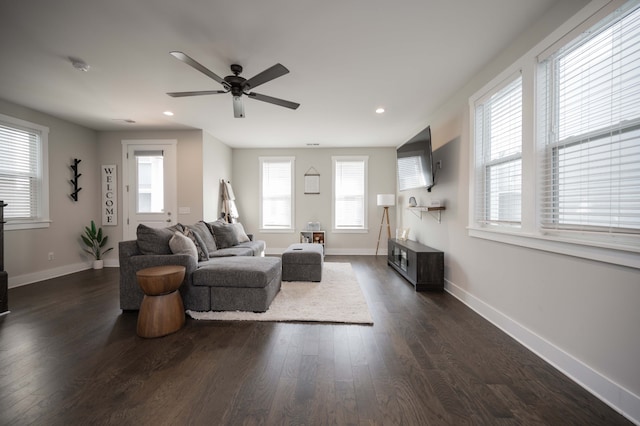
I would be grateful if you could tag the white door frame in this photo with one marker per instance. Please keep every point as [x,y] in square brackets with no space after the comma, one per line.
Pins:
[171,166]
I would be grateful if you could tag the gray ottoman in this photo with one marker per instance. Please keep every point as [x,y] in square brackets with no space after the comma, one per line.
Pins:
[241,283]
[302,262]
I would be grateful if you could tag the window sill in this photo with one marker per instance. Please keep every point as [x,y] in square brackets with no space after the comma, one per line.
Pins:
[277,231]
[618,255]
[18,225]
[350,231]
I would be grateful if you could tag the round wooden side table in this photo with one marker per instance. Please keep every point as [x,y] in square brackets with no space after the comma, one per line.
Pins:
[161,311]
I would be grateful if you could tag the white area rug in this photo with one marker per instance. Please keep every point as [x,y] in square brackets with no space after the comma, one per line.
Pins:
[337,299]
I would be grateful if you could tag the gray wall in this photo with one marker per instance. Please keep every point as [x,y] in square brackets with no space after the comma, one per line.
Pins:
[26,251]
[579,314]
[202,161]
[316,208]
[216,158]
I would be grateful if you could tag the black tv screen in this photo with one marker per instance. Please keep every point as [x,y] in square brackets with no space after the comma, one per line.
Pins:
[415,162]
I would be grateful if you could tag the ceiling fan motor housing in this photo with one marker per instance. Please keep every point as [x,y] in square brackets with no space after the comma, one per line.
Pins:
[236,82]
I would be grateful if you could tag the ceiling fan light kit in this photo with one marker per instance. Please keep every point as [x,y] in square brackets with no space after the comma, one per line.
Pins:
[237,85]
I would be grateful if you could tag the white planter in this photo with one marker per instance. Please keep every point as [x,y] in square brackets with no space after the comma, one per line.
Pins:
[98,264]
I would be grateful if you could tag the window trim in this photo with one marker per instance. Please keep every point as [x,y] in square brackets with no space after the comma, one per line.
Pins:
[487,165]
[618,249]
[282,230]
[43,220]
[365,223]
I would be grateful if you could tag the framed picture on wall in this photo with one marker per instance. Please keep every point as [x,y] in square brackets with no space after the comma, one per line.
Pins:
[312,181]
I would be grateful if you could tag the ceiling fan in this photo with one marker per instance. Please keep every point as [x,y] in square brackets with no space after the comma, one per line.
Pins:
[237,85]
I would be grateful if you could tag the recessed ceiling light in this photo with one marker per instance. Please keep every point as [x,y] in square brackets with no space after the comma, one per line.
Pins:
[379,110]
[168,113]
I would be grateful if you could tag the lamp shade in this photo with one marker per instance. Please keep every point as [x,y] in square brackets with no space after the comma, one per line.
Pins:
[386,200]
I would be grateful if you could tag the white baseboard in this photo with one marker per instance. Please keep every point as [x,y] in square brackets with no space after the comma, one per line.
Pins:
[614,395]
[356,252]
[34,277]
[30,278]
[334,252]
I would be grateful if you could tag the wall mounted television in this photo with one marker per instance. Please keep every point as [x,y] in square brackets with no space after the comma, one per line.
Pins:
[415,162]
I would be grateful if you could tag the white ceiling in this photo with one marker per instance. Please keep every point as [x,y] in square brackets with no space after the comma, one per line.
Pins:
[346,58]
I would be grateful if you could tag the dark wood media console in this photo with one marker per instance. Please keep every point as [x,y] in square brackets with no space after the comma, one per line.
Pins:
[4,289]
[422,266]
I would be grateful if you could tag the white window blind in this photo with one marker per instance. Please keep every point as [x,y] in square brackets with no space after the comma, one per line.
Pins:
[276,191]
[590,129]
[350,193]
[22,166]
[498,144]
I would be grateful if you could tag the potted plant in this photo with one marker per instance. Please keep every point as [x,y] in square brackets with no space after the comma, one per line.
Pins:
[95,242]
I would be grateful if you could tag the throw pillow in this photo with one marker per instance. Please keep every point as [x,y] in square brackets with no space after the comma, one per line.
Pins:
[203,253]
[239,231]
[201,229]
[224,234]
[181,244]
[155,240]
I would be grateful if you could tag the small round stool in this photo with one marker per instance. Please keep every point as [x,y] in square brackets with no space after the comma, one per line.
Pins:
[161,311]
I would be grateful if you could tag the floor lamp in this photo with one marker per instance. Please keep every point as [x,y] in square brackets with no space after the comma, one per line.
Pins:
[386,201]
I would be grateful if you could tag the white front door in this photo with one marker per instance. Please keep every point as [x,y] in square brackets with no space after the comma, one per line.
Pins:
[149,184]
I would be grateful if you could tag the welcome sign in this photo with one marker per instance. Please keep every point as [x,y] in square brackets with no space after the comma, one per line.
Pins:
[109,195]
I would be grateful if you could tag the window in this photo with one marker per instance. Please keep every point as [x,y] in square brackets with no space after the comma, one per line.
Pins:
[591,130]
[150,181]
[498,141]
[276,193]
[555,142]
[350,193]
[24,173]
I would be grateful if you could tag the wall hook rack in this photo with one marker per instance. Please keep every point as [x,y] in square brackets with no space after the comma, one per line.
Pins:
[74,180]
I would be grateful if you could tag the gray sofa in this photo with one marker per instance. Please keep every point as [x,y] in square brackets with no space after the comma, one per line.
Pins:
[228,270]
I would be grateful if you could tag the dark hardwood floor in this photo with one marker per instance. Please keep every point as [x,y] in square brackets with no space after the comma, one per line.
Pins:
[69,356]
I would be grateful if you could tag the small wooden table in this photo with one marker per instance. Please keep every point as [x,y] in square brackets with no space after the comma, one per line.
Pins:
[161,311]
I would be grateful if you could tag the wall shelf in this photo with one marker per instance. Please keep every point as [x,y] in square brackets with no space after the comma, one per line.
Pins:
[419,209]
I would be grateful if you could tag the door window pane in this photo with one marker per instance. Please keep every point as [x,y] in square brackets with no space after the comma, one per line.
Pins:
[150,183]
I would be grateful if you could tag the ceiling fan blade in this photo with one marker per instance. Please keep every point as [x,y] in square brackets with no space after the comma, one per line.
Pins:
[197,93]
[278,70]
[195,64]
[272,100]
[238,107]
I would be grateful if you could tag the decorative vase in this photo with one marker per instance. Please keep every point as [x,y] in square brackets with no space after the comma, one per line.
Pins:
[98,264]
